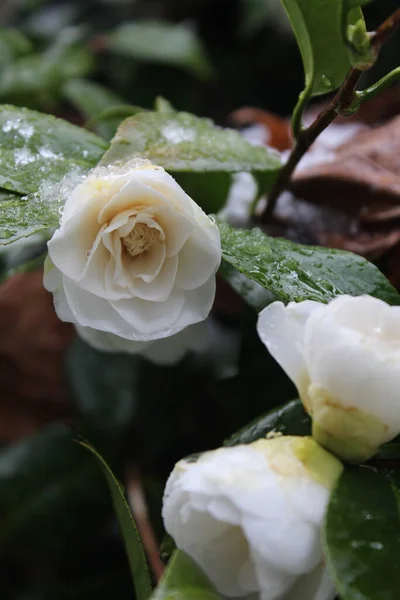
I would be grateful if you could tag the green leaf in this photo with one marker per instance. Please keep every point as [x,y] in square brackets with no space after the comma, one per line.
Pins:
[23,256]
[42,479]
[289,419]
[317,25]
[39,76]
[94,377]
[200,155]
[295,272]
[22,217]
[92,99]
[252,292]
[13,44]
[162,42]
[37,148]
[362,536]
[183,580]
[133,543]
[181,142]
[163,105]
[320,27]
[209,190]
[255,14]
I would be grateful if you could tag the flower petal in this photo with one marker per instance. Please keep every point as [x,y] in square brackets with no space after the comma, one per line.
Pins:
[70,245]
[352,350]
[199,258]
[198,304]
[161,286]
[134,195]
[150,317]
[109,342]
[177,227]
[91,311]
[281,329]
[316,585]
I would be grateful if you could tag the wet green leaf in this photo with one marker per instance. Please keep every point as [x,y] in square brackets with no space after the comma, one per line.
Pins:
[295,272]
[37,148]
[24,217]
[183,580]
[254,294]
[23,256]
[289,419]
[133,543]
[181,142]
[162,42]
[362,536]
[200,155]
[36,151]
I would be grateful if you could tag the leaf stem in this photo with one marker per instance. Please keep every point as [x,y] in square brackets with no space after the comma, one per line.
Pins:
[346,101]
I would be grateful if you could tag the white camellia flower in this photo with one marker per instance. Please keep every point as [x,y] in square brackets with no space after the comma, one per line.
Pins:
[344,359]
[251,517]
[134,258]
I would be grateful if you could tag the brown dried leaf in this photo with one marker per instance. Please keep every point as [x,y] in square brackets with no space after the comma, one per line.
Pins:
[363,180]
[33,342]
[277,130]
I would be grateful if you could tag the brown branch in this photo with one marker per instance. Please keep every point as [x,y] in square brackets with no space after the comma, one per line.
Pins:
[341,101]
[137,502]
[386,30]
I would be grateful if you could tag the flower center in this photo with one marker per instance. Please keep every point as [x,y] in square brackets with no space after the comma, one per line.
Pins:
[140,239]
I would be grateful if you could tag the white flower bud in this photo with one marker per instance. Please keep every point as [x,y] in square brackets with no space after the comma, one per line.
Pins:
[134,256]
[251,517]
[344,359]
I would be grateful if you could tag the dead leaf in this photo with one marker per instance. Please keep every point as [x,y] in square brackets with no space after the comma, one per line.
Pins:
[364,177]
[33,342]
[277,130]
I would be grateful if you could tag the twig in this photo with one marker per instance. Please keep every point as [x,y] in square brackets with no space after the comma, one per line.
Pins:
[137,502]
[338,105]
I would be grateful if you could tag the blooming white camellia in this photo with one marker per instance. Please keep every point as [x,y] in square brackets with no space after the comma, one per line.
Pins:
[344,359]
[134,259]
[251,517]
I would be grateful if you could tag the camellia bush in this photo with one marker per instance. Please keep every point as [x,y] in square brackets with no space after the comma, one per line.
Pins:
[300,504]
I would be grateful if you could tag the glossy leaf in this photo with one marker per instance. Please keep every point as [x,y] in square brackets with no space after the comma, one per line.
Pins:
[254,294]
[321,29]
[183,580]
[200,155]
[289,419]
[22,217]
[23,256]
[36,151]
[295,272]
[37,148]
[317,25]
[362,536]
[133,543]
[162,42]
[181,142]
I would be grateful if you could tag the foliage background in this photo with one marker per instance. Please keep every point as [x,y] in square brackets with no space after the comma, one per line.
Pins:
[58,535]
